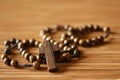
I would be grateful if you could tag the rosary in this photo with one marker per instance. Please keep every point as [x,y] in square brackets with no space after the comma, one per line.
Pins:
[51,51]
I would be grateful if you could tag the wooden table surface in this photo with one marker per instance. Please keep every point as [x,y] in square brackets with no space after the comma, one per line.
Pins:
[23,19]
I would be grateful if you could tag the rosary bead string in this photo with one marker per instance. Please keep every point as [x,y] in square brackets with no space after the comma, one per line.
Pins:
[68,44]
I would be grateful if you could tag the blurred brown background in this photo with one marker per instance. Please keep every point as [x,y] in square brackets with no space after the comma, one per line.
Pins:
[23,19]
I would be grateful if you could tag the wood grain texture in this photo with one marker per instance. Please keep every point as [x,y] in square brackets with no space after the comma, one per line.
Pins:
[23,19]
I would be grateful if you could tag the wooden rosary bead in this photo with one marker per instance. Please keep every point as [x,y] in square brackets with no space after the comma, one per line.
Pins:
[69,48]
[45,36]
[88,42]
[73,46]
[66,27]
[64,35]
[61,45]
[76,53]
[21,49]
[52,41]
[36,65]
[14,63]
[13,40]
[82,42]
[66,41]
[94,41]
[75,40]
[3,56]
[59,27]
[32,58]
[62,39]
[26,56]
[20,45]
[7,50]
[55,43]
[100,38]
[106,29]
[7,43]
[26,42]
[91,27]
[23,52]
[7,60]
[72,37]
[32,42]
[96,28]
[48,38]
[40,45]
[48,30]
[18,40]
[67,57]
[37,43]
[39,58]
[65,48]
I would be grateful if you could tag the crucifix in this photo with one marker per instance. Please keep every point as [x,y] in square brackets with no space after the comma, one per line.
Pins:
[50,50]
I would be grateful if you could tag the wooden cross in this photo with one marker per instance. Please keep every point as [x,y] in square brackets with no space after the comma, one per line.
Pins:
[49,50]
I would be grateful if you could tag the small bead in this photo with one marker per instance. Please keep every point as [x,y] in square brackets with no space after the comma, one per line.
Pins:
[7,43]
[73,46]
[58,27]
[26,42]
[106,29]
[55,43]
[91,27]
[7,60]
[3,56]
[20,45]
[66,41]
[82,42]
[69,48]
[76,53]
[52,41]
[64,36]
[26,56]
[13,40]
[72,37]
[100,38]
[88,42]
[37,43]
[40,45]
[18,40]
[65,48]
[21,49]
[48,38]
[81,30]
[44,36]
[32,42]
[67,57]
[94,41]
[70,29]
[23,52]
[14,63]
[69,33]
[42,32]
[39,58]
[36,65]
[96,28]
[61,45]
[76,40]
[32,58]
[66,27]
[7,51]
[48,30]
